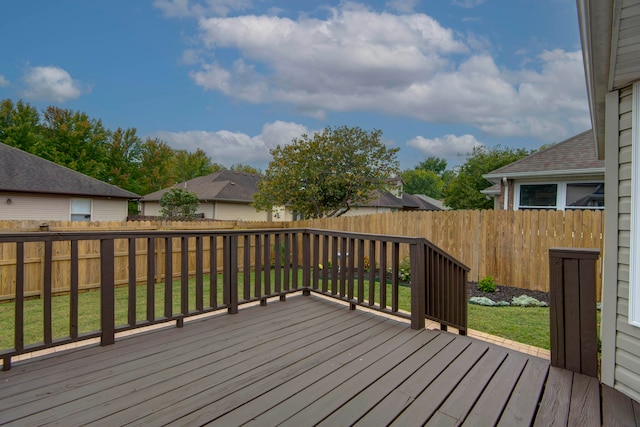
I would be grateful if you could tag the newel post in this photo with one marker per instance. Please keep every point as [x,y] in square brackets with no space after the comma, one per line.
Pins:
[107,291]
[574,340]
[418,283]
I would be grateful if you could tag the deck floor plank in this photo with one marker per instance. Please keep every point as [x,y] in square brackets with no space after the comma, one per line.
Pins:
[523,403]
[399,397]
[617,409]
[488,409]
[554,407]
[320,399]
[156,388]
[306,361]
[585,401]
[460,402]
[215,401]
[353,359]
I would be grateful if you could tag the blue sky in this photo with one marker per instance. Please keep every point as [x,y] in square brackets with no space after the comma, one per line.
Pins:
[238,77]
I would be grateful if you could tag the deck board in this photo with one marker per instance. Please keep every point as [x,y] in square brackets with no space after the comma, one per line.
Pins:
[306,361]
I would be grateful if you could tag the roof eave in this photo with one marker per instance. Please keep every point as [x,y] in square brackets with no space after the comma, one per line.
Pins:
[595,17]
[546,174]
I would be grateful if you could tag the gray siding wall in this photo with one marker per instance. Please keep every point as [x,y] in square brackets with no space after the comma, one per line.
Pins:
[627,352]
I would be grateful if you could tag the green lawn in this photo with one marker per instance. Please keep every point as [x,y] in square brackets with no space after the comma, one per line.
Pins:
[528,325]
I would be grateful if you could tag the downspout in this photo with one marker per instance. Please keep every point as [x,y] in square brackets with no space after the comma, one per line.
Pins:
[505,183]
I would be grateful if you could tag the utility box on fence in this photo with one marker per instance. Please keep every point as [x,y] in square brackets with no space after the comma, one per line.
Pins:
[574,338]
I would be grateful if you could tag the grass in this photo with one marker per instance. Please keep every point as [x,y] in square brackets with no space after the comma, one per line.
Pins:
[528,325]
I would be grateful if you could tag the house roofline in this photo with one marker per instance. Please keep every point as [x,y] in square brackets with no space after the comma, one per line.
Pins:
[545,174]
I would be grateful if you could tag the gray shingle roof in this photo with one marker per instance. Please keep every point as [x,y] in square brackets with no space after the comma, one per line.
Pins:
[26,173]
[225,185]
[574,154]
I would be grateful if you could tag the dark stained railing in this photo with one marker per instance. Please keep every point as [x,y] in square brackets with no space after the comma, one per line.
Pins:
[574,332]
[243,266]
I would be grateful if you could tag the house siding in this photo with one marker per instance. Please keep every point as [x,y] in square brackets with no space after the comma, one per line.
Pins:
[109,210]
[627,339]
[239,211]
[34,207]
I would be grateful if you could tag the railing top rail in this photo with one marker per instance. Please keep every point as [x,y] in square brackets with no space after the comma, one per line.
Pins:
[124,234]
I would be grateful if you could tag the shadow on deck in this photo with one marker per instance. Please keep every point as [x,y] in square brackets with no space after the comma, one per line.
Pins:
[308,361]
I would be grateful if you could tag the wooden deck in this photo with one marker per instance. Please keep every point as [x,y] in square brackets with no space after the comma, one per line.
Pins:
[306,361]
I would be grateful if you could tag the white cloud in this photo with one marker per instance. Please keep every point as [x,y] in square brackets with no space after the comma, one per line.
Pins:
[357,59]
[449,147]
[51,84]
[3,81]
[229,148]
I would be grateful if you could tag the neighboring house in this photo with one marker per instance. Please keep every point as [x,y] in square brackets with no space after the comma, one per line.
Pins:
[387,201]
[225,195]
[609,31]
[566,175]
[32,188]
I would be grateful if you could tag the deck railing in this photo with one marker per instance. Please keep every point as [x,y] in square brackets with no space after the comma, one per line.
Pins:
[223,270]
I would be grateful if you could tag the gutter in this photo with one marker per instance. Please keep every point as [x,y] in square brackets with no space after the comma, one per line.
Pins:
[536,174]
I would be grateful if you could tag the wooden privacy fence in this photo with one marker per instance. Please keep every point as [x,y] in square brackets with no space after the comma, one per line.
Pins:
[511,246]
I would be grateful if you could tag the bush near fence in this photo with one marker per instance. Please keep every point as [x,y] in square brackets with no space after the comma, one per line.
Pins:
[511,246]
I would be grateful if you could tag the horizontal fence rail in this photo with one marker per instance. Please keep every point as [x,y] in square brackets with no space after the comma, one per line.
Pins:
[172,275]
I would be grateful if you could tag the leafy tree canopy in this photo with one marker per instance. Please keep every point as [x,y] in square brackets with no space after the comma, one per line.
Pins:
[463,191]
[433,164]
[328,173]
[179,204]
[239,167]
[420,181]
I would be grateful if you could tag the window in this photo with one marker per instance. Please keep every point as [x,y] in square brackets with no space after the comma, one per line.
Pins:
[560,195]
[81,210]
[538,195]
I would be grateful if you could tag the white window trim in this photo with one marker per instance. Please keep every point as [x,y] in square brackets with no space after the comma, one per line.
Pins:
[634,224]
[71,213]
[561,195]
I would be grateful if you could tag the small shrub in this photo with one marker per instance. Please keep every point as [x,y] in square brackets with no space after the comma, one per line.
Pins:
[487,284]
[526,301]
[404,269]
[487,302]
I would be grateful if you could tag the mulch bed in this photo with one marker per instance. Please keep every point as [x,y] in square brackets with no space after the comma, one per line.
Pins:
[506,293]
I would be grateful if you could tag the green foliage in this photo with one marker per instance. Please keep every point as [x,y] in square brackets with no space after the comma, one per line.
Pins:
[420,181]
[73,139]
[404,269]
[239,167]
[433,164]
[463,191]
[178,204]
[192,165]
[487,284]
[327,174]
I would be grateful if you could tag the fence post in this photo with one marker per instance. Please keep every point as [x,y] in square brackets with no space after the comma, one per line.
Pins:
[418,279]
[107,291]
[572,280]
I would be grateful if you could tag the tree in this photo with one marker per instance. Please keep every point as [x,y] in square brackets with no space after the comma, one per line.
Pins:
[420,181]
[74,140]
[122,160]
[463,191]
[179,204]
[157,170]
[328,173]
[239,167]
[433,164]
[20,126]
[192,165]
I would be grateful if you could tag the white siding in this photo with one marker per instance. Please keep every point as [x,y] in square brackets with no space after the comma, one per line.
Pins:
[34,207]
[627,339]
[151,208]
[238,211]
[366,211]
[109,210]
